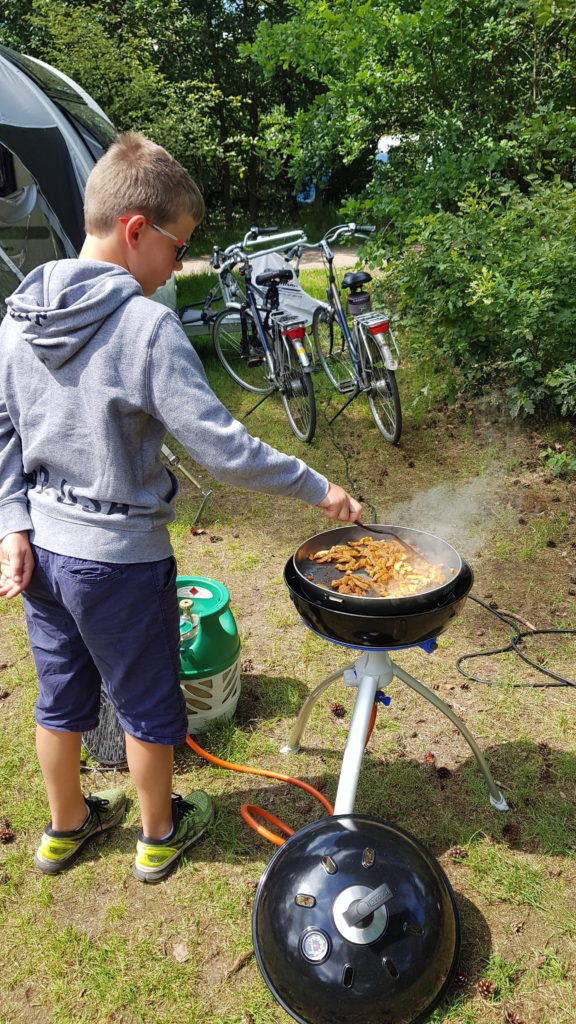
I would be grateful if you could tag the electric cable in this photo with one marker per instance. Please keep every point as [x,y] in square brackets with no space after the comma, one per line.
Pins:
[513,645]
[351,483]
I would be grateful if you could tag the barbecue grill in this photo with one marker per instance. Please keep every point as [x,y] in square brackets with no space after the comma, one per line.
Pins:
[354,921]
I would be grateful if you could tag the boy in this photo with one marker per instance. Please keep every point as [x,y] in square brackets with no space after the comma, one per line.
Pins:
[92,375]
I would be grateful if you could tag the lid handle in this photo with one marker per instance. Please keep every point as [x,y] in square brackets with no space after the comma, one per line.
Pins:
[361,909]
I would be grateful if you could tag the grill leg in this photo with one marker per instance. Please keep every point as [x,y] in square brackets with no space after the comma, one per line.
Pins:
[292,746]
[497,798]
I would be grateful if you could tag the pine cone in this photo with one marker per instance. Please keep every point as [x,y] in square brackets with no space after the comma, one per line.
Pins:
[458,852]
[6,832]
[512,1018]
[486,988]
[338,710]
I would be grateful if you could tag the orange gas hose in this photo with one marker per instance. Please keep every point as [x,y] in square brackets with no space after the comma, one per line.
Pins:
[249,811]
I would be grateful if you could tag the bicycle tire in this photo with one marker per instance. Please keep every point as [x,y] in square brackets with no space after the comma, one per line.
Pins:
[332,349]
[227,339]
[296,392]
[383,395]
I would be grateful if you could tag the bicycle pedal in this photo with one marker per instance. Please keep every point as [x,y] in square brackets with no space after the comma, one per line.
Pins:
[347,387]
[254,358]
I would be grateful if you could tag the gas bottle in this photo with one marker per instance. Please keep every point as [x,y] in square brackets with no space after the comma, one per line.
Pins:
[209,651]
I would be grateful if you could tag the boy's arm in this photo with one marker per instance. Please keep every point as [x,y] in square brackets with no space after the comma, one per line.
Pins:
[180,396]
[16,560]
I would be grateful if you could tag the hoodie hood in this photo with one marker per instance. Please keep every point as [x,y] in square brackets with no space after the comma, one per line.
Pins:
[61,305]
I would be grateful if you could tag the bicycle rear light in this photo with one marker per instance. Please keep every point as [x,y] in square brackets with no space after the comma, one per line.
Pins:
[294,332]
[379,328]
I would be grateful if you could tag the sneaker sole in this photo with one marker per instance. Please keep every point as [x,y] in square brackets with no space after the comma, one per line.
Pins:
[53,867]
[158,874]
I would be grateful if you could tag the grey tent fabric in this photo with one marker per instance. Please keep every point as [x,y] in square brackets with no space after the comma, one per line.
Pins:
[56,132]
[45,154]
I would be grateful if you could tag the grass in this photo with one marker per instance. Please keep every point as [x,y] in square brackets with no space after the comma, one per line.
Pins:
[94,946]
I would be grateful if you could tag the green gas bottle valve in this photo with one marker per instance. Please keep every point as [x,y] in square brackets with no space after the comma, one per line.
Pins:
[189,624]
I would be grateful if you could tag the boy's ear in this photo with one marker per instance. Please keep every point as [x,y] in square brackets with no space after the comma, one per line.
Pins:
[132,226]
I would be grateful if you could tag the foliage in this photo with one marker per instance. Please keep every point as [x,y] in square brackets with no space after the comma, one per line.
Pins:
[561,461]
[496,280]
[481,96]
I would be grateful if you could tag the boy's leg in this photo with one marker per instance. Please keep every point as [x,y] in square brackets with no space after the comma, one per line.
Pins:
[67,706]
[59,757]
[170,825]
[150,767]
[74,818]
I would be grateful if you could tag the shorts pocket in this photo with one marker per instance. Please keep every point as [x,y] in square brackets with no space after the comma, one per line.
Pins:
[164,573]
[90,573]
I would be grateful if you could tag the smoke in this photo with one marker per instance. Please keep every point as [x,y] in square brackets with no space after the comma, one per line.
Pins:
[459,513]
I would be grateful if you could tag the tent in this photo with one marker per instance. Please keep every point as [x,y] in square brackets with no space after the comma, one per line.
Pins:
[51,134]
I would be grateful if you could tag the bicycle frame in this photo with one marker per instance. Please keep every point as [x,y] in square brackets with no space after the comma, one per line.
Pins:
[285,323]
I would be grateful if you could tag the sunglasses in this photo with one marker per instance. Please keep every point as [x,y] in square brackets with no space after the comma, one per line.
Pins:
[182,247]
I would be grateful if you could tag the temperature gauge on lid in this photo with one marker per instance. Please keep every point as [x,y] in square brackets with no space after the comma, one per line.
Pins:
[315,945]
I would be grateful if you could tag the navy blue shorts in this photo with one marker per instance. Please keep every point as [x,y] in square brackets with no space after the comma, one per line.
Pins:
[93,623]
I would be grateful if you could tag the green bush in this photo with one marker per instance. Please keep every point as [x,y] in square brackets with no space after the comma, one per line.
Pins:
[490,291]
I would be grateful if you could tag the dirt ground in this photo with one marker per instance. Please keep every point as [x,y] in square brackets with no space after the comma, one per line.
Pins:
[185,949]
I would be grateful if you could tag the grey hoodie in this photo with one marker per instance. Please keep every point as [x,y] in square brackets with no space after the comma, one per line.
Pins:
[92,375]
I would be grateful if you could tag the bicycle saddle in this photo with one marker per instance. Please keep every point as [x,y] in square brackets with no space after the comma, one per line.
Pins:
[356,280]
[279,276]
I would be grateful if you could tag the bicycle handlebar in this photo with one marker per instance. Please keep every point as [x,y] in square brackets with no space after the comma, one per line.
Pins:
[351,229]
[348,229]
[257,235]
[254,232]
[234,253]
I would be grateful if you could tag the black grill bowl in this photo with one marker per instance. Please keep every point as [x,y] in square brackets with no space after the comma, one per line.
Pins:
[384,632]
[396,973]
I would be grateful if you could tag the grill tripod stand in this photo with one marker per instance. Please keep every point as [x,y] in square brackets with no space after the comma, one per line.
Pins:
[372,672]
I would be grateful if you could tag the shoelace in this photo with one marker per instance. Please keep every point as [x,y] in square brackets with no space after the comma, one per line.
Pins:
[97,805]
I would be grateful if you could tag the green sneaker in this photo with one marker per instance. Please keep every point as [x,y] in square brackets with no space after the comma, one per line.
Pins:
[155,858]
[58,850]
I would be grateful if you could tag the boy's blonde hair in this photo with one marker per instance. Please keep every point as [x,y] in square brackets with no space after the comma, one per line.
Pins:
[135,175]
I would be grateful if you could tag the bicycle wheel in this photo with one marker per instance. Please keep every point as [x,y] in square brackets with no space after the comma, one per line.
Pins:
[296,392]
[332,349]
[238,348]
[383,397]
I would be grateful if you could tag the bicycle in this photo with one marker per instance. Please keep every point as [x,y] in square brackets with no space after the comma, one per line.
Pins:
[363,358]
[196,317]
[261,348]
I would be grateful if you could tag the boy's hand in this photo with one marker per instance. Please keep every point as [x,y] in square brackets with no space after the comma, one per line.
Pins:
[16,564]
[338,504]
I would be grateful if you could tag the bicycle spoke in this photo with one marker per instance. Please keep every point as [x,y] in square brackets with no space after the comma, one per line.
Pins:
[383,397]
[238,348]
[332,349]
[297,395]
